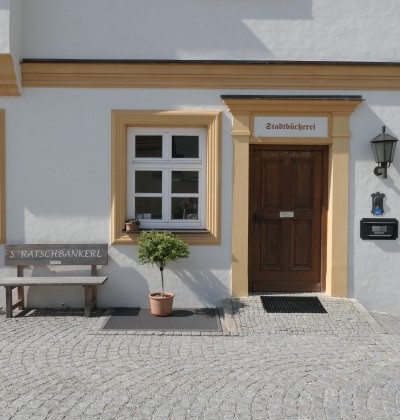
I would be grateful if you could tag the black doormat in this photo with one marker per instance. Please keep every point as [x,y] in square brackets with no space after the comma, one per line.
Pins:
[205,319]
[293,304]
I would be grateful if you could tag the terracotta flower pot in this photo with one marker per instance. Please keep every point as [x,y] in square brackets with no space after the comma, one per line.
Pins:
[131,227]
[161,305]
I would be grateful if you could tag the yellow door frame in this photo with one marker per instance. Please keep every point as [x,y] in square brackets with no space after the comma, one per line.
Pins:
[338,111]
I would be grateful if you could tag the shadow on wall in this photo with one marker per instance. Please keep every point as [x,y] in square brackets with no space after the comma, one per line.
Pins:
[229,26]
[260,9]
[222,24]
[127,286]
[124,287]
[205,285]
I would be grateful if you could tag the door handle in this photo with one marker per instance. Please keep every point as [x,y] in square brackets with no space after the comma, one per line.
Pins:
[256,221]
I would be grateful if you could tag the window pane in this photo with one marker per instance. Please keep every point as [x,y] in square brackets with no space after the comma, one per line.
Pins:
[185,182]
[184,208]
[148,207]
[185,146]
[148,181]
[148,146]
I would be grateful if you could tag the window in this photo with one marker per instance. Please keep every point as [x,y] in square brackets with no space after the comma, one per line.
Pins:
[166,172]
[166,177]
[2,178]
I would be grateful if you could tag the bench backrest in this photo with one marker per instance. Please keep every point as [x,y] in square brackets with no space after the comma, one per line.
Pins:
[58,254]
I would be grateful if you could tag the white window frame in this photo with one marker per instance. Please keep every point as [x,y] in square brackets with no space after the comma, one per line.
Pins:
[166,164]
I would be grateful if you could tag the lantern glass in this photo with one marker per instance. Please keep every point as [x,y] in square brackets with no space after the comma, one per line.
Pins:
[383,150]
[383,147]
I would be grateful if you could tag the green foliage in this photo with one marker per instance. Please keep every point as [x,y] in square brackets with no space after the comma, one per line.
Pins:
[159,248]
[134,221]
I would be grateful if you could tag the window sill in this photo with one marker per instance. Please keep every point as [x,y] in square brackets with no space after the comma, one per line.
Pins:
[174,230]
[192,237]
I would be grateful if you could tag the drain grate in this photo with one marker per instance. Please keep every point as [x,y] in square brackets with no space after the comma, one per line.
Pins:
[293,304]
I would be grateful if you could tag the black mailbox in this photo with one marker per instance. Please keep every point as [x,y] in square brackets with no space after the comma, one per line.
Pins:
[379,228]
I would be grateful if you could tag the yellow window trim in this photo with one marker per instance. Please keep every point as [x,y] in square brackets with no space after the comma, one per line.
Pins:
[124,119]
[2,176]
[338,113]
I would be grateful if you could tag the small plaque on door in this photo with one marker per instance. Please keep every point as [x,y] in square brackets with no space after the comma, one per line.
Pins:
[286,214]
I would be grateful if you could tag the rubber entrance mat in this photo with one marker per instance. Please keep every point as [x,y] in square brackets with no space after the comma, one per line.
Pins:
[293,304]
[206,319]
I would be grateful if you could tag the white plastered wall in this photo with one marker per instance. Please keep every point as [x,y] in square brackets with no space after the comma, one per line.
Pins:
[374,265]
[58,141]
[4,26]
[16,13]
[58,190]
[353,30]
[11,32]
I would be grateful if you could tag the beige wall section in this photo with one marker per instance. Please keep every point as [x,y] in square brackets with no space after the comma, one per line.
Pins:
[240,212]
[8,78]
[337,235]
[338,112]
[2,177]
[209,75]
[121,121]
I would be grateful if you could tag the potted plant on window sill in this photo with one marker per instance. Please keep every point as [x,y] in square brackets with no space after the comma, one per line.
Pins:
[158,249]
[132,225]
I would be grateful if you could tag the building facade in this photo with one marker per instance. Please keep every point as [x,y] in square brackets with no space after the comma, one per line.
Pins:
[242,126]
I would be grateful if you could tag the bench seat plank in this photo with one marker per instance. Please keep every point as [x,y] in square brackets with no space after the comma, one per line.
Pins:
[53,281]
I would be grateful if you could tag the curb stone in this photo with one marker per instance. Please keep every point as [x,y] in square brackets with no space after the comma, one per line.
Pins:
[369,318]
[229,317]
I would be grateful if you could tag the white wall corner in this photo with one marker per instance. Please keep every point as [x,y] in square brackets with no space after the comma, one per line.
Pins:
[10,47]
[4,27]
[16,46]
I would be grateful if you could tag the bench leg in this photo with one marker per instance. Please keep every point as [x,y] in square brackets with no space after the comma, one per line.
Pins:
[90,299]
[94,297]
[21,297]
[9,301]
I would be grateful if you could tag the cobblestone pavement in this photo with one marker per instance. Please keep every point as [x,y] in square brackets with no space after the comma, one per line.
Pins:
[344,364]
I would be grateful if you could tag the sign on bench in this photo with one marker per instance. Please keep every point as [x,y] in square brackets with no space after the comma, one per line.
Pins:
[57,254]
[86,254]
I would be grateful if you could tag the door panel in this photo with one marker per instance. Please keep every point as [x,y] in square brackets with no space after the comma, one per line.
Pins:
[302,185]
[271,246]
[271,188]
[285,218]
[301,245]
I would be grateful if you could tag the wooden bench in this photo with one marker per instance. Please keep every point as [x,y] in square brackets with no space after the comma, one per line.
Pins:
[53,255]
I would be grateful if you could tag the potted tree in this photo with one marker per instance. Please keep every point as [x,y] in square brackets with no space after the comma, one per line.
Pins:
[132,225]
[160,248]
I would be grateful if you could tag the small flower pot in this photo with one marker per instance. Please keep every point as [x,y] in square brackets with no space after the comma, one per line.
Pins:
[131,227]
[161,304]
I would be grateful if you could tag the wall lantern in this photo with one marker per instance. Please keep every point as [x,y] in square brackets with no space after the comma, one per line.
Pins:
[383,147]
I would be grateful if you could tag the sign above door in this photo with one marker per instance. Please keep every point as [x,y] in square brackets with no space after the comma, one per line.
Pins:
[272,126]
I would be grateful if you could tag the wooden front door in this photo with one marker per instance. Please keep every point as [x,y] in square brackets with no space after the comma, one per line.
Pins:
[287,186]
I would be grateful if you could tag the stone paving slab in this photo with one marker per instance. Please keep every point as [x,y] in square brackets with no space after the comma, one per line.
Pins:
[62,367]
